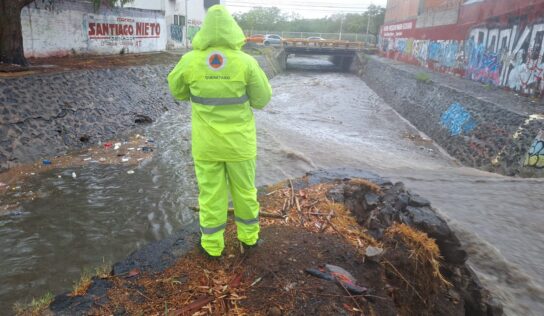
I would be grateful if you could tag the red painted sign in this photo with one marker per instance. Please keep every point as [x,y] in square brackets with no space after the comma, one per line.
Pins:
[122,28]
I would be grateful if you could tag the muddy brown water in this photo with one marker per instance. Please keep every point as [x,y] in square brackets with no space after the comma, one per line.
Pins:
[315,120]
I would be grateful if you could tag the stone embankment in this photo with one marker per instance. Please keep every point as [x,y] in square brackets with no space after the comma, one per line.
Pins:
[376,229]
[481,126]
[50,114]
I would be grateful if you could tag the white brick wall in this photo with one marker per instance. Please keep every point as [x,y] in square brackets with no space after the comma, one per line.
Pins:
[67,28]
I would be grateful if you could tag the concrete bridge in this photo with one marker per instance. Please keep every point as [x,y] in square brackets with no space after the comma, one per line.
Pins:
[342,53]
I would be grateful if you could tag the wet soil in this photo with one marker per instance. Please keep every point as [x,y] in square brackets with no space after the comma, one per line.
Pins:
[301,229]
[61,64]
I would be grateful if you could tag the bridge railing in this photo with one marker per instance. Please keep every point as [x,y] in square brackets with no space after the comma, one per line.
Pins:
[353,37]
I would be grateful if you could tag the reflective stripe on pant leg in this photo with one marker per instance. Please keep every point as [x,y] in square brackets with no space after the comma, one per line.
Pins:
[241,177]
[213,202]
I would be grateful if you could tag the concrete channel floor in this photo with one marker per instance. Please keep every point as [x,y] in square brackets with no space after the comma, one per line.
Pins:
[330,120]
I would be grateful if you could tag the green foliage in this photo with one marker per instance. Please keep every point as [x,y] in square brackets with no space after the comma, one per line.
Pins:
[110,3]
[423,77]
[35,307]
[273,19]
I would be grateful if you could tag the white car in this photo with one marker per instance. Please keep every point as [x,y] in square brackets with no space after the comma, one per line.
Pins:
[272,39]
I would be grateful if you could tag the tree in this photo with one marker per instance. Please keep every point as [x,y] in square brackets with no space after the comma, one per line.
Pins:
[272,19]
[263,19]
[11,34]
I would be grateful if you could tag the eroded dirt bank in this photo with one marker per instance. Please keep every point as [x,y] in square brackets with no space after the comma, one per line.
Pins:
[391,241]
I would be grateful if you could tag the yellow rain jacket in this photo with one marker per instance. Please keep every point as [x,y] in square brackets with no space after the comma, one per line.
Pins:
[223,83]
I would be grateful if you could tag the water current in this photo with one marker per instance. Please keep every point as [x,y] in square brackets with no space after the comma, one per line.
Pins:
[315,120]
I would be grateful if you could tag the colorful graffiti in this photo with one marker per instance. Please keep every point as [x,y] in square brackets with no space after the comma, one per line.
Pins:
[506,51]
[193,28]
[176,32]
[457,120]
[535,156]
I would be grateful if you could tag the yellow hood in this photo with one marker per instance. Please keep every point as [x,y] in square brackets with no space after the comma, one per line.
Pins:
[219,30]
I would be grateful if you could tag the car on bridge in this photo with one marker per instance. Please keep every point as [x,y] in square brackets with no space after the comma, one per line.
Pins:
[257,38]
[272,39]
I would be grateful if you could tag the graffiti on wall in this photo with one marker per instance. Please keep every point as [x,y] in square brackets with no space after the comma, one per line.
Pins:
[535,156]
[457,120]
[120,31]
[192,28]
[510,56]
[176,32]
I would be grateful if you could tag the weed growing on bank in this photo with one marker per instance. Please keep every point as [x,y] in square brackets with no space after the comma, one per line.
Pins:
[35,307]
[423,77]
[82,285]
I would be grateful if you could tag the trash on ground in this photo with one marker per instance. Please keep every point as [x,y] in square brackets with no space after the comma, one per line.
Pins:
[74,175]
[372,251]
[117,146]
[342,277]
[108,145]
[46,162]
[130,172]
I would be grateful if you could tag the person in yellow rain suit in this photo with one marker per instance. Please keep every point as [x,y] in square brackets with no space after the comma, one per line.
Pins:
[223,84]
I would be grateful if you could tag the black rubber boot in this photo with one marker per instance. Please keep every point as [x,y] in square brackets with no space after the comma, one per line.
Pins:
[206,254]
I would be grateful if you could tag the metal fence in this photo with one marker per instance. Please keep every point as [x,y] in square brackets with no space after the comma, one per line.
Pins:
[356,37]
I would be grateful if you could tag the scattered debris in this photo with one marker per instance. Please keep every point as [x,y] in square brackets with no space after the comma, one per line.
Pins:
[130,172]
[342,277]
[74,175]
[46,162]
[373,252]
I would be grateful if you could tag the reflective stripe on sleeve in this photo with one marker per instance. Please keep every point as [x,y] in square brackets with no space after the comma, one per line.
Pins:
[212,230]
[247,221]
[219,101]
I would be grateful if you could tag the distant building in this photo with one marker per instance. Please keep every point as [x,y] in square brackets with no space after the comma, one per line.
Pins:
[496,42]
[73,27]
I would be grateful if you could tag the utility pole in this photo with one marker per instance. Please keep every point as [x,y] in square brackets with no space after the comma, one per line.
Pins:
[186,26]
[367,22]
[341,25]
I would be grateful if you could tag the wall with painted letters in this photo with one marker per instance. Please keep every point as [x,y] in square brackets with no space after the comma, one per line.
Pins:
[495,42]
[70,28]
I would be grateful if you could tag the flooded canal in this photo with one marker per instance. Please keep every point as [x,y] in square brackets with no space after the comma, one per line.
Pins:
[315,120]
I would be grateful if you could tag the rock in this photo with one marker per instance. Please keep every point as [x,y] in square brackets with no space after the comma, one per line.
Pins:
[274,311]
[418,201]
[371,200]
[387,215]
[373,253]
[142,119]
[402,201]
[428,221]
[336,194]
[85,138]
[65,304]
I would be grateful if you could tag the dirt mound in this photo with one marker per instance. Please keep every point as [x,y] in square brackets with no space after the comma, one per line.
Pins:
[307,224]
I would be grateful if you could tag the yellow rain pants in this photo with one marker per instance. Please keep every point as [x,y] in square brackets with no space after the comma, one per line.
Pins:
[215,179]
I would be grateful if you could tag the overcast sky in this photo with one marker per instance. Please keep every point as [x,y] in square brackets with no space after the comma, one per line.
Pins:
[307,9]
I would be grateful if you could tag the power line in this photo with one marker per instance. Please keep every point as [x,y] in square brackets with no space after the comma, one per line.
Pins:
[311,4]
[305,8]
[294,4]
